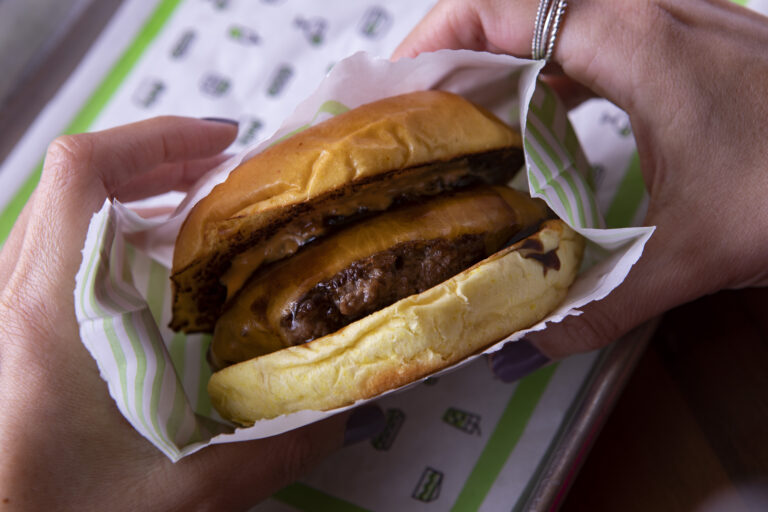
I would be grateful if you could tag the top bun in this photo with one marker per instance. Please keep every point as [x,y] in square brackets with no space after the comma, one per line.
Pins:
[407,146]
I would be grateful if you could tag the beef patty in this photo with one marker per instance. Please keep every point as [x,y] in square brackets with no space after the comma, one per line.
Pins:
[377,281]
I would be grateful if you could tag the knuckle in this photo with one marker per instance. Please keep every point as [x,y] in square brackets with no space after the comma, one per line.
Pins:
[65,155]
[20,319]
[72,149]
[23,302]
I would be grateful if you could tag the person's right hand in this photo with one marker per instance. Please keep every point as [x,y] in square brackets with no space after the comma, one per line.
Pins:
[693,76]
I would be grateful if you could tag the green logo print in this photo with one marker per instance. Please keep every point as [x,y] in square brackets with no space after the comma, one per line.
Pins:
[214,85]
[243,35]
[250,128]
[149,92]
[314,29]
[279,80]
[428,488]
[181,47]
[395,420]
[462,420]
[619,123]
[375,22]
[220,4]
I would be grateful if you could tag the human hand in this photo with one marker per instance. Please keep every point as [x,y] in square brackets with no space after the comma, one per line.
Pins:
[693,77]
[65,444]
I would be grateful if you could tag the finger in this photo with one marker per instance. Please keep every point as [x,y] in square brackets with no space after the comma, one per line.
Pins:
[242,474]
[123,152]
[97,164]
[488,25]
[81,171]
[669,273]
[448,25]
[602,45]
[178,176]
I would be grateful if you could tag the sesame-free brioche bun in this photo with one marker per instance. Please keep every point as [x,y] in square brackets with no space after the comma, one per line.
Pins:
[512,289]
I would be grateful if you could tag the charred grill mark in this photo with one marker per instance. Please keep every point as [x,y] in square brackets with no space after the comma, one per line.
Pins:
[532,244]
[533,249]
[549,260]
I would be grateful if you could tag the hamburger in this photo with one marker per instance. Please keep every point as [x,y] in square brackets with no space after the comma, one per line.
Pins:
[363,253]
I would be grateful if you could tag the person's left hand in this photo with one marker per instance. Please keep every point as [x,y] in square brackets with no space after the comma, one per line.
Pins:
[65,444]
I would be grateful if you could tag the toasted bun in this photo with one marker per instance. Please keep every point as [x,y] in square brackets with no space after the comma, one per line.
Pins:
[275,202]
[510,290]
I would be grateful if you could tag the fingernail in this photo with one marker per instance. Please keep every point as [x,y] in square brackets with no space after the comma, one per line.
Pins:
[516,360]
[221,120]
[364,423]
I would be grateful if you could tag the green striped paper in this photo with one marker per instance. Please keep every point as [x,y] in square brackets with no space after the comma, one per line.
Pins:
[557,168]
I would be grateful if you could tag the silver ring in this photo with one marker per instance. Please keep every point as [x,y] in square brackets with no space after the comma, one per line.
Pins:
[548,17]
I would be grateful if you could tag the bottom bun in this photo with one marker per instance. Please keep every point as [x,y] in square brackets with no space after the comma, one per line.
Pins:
[511,290]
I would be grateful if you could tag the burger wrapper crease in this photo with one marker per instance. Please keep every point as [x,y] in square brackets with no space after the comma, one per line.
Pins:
[123,293]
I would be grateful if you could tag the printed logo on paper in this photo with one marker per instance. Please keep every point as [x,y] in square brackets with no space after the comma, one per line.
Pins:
[243,35]
[149,92]
[619,121]
[181,48]
[214,85]
[314,29]
[462,420]
[375,22]
[395,420]
[280,79]
[428,488]
[219,4]
[249,130]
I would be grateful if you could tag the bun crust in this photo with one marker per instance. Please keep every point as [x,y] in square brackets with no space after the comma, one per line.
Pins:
[329,160]
[512,289]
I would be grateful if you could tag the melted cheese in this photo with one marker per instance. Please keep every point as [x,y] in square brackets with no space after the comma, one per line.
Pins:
[374,197]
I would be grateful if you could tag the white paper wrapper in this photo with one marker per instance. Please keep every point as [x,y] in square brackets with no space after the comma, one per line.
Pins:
[122,294]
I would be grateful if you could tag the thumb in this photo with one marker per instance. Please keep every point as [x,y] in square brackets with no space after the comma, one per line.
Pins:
[671,271]
[666,275]
[660,280]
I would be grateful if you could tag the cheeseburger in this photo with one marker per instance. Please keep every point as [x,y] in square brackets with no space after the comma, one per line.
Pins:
[366,252]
